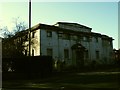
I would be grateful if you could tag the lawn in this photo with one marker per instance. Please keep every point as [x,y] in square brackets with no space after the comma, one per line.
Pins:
[69,81]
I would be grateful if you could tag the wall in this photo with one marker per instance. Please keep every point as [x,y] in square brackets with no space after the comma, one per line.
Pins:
[58,46]
[36,43]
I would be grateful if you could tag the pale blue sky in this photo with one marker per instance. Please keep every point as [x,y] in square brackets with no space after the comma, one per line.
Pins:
[102,17]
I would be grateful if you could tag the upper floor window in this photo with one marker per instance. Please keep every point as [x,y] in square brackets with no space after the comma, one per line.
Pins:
[96,39]
[79,37]
[86,38]
[74,37]
[26,37]
[49,33]
[110,43]
[60,34]
[106,43]
[33,34]
[103,42]
[49,51]
[66,36]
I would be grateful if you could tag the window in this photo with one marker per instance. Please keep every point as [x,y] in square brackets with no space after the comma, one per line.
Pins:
[96,39]
[26,37]
[49,33]
[66,53]
[66,36]
[49,52]
[25,52]
[33,52]
[106,43]
[97,54]
[110,43]
[59,34]
[74,37]
[33,34]
[86,54]
[86,38]
[79,37]
[103,43]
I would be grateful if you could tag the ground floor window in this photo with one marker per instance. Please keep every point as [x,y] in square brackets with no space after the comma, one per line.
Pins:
[33,52]
[66,53]
[86,54]
[49,51]
[25,52]
[97,54]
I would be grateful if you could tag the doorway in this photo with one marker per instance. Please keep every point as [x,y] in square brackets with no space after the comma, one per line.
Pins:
[78,55]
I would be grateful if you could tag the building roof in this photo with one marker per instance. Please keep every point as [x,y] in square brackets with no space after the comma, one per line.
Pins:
[56,28]
[74,24]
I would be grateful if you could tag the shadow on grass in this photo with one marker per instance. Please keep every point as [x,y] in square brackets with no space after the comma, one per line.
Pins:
[69,81]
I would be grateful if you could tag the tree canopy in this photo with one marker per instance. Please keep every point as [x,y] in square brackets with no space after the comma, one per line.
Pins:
[12,46]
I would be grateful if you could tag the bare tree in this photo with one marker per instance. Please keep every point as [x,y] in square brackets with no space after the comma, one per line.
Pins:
[12,42]
[6,33]
[19,25]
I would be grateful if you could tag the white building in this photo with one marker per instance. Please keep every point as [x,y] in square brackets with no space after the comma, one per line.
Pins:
[71,43]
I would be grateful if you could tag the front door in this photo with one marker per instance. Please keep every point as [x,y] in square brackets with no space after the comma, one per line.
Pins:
[78,54]
[79,58]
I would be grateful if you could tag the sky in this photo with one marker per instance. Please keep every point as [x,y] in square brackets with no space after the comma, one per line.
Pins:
[102,17]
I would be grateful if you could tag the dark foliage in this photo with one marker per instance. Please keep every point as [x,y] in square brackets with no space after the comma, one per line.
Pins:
[28,65]
[13,41]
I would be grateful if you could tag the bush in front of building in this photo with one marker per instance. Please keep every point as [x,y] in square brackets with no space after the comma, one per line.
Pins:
[40,66]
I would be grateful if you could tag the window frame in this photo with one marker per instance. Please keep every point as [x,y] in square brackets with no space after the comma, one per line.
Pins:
[49,33]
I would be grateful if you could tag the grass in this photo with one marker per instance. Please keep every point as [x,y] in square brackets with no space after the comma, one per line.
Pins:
[70,81]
